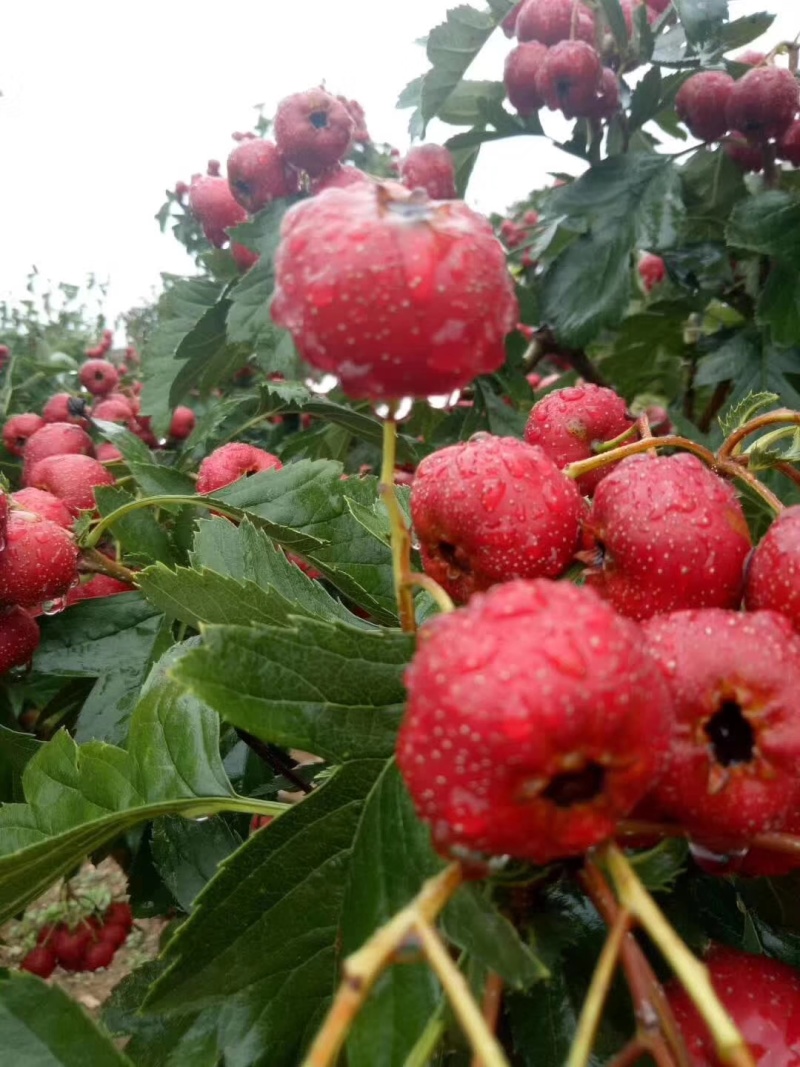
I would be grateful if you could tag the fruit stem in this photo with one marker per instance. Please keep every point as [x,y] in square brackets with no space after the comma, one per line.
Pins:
[431,586]
[484,1044]
[95,562]
[105,523]
[586,466]
[601,447]
[693,975]
[400,539]
[363,968]
[581,1051]
[783,416]
[736,470]
[492,1002]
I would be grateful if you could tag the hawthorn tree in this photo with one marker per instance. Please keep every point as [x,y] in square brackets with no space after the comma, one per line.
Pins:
[225,718]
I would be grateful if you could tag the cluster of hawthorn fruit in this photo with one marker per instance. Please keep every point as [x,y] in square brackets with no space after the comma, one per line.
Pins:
[87,945]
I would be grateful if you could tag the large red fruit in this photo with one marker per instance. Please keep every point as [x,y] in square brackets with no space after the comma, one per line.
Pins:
[18,429]
[313,130]
[733,763]
[772,578]
[701,103]
[762,997]
[568,422]
[63,407]
[535,720]
[40,961]
[72,479]
[40,502]
[669,534]
[789,145]
[396,294]
[70,946]
[230,462]
[99,376]
[492,509]
[19,638]
[522,68]
[551,21]
[39,561]
[430,167]
[56,439]
[212,204]
[571,78]
[258,174]
[763,103]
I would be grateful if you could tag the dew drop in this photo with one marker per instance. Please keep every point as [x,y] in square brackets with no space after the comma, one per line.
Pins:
[717,862]
[446,401]
[326,384]
[54,606]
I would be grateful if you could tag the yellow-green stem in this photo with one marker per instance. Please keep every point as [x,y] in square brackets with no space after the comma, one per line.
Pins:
[581,1051]
[96,563]
[106,523]
[781,417]
[400,538]
[586,466]
[693,975]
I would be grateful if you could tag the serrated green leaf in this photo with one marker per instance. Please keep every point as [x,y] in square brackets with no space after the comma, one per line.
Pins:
[779,304]
[188,853]
[467,103]
[742,31]
[660,867]
[768,223]
[702,19]
[612,9]
[140,535]
[42,1026]
[737,415]
[324,688]
[646,99]
[451,48]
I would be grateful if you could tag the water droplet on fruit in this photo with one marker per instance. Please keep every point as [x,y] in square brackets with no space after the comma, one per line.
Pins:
[326,384]
[447,401]
[54,606]
[717,862]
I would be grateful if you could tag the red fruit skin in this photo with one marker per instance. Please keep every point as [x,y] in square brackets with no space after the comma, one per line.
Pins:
[437,307]
[243,257]
[652,271]
[231,462]
[550,21]
[772,578]
[40,961]
[4,509]
[659,6]
[113,934]
[55,439]
[567,422]
[72,479]
[212,204]
[63,407]
[98,585]
[313,130]
[19,638]
[108,453]
[571,78]
[509,23]
[492,509]
[258,822]
[763,103]
[606,102]
[112,410]
[521,71]
[182,424]
[789,144]
[339,177]
[535,720]
[258,174]
[18,429]
[732,767]
[672,535]
[430,167]
[761,995]
[701,104]
[98,955]
[71,946]
[119,913]
[99,376]
[45,504]
[39,561]
[748,157]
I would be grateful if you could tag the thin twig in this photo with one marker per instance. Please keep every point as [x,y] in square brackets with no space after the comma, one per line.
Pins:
[274,759]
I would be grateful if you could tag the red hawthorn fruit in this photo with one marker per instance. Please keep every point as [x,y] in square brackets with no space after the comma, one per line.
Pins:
[748,157]
[231,462]
[762,997]
[40,502]
[70,946]
[63,407]
[258,174]
[18,429]
[97,586]
[512,234]
[360,131]
[751,58]
[659,420]
[4,509]
[182,424]
[772,576]
[732,766]
[492,509]
[5,356]
[659,6]
[114,934]
[763,103]
[72,479]
[132,356]
[509,23]
[39,561]
[243,257]
[55,439]
[552,21]
[568,422]
[430,167]
[119,913]
[701,104]
[339,177]
[99,376]
[40,961]
[606,102]
[111,410]
[212,204]
[108,453]
[396,294]
[570,78]
[313,130]
[522,68]
[535,720]
[789,144]
[758,862]
[669,534]
[258,822]
[652,271]
[98,955]
[19,638]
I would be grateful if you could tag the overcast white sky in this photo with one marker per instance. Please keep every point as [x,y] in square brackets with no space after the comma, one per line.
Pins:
[105,105]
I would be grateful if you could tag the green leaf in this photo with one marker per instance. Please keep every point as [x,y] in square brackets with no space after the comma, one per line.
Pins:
[753,370]
[139,533]
[392,857]
[647,353]
[768,223]
[207,354]
[248,320]
[42,1026]
[451,48]
[742,31]
[324,688]
[779,304]
[188,853]
[646,99]
[702,19]
[612,9]
[262,939]
[16,749]
[660,867]
[543,1023]
[468,102]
